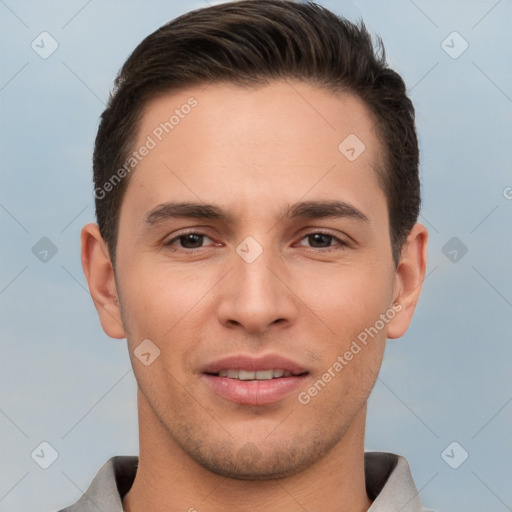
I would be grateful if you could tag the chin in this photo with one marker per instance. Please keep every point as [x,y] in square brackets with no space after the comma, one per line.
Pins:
[251,462]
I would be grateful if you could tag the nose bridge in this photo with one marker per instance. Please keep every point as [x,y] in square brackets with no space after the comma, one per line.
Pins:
[256,282]
[256,278]
[256,297]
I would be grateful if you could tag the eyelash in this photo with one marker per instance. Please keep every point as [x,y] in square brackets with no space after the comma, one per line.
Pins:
[341,243]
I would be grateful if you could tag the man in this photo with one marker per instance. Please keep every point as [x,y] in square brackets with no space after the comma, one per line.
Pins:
[257,191]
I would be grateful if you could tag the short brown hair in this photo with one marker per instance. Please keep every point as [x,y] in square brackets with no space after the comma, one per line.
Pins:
[250,43]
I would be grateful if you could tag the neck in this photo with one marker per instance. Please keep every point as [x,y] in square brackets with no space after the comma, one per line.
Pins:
[168,479]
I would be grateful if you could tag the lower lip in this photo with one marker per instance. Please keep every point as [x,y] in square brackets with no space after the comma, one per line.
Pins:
[251,392]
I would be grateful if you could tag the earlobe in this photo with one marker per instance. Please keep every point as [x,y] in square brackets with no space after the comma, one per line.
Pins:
[409,278]
[99,273]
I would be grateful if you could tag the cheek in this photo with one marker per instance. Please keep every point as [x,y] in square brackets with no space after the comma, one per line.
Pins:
[348,298]
[349,302]
[157,298]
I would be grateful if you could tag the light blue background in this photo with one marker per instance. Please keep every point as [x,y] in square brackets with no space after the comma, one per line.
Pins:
[65,382]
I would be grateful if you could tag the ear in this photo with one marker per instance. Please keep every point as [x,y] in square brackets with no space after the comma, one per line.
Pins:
[409,278]
[99,273]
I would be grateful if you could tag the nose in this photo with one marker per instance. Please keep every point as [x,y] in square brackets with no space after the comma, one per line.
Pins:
[257,296]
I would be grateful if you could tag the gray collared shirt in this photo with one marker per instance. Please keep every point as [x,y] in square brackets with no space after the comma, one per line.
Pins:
[389,484]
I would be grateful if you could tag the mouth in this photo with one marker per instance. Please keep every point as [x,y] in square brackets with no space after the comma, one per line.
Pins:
[248,375]
[246,380]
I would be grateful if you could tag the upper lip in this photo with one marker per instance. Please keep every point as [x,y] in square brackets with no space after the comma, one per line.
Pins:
[250,363]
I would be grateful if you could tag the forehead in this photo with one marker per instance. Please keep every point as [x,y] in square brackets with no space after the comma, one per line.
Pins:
[241,145]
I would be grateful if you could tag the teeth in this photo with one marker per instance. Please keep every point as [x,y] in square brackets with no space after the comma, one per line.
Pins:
[257,375]
[244,375]
[265,374]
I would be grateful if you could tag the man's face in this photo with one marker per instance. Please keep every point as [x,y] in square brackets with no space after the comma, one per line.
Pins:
[269,279]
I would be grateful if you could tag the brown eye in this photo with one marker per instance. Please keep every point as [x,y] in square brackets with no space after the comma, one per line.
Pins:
[187,241]
[191,241]
[320,240]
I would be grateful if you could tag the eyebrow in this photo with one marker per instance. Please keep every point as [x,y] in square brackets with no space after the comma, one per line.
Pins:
[324,209]
[300,210]
[176,210]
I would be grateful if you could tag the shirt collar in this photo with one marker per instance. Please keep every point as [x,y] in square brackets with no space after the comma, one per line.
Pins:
[389,483]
